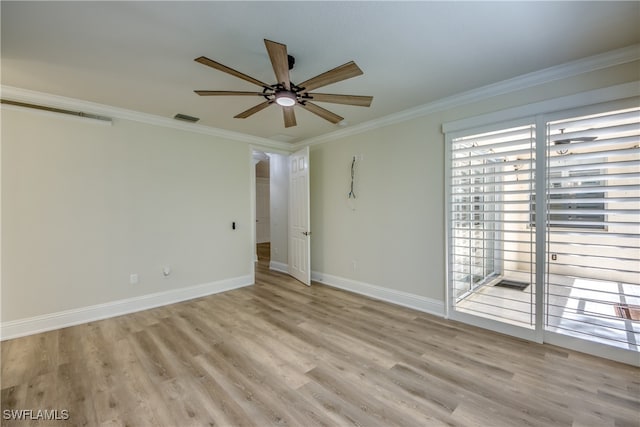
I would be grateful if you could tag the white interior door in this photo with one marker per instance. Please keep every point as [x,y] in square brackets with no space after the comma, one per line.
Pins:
[262,211]
[299,217]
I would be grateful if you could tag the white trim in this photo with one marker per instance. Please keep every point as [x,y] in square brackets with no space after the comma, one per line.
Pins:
[563,71]
[62,319]
[570,69]
[549,106]
[581,345]
[495,326]
[56,101]
[279,266]
[271,150]
[252,207]
[59,115]
[393,296]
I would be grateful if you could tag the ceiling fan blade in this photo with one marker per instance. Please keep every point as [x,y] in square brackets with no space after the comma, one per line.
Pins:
[578,139]
[319,111]
[360,101]
[253,110]
[289,117]
[213,64]
[343,72]
[226,92]
[279,62]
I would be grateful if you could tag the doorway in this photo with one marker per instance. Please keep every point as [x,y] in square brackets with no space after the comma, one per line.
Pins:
[271,183]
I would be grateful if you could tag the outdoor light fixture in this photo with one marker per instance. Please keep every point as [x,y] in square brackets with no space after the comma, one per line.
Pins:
[286,98]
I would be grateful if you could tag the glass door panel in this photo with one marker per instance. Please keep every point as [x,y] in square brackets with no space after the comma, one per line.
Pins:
[492,242]
[592,283]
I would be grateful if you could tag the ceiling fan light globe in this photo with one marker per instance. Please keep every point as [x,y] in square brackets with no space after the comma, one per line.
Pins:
[286,98]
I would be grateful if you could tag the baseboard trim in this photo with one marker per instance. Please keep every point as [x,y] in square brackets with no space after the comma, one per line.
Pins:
[279,266]
[62,319]
[405,299]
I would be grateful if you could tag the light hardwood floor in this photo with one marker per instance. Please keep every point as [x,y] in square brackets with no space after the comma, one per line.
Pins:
[280,353]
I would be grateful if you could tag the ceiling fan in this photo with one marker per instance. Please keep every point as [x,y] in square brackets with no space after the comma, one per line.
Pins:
[287,94]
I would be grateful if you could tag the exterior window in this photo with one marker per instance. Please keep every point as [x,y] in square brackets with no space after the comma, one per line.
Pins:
[569,208]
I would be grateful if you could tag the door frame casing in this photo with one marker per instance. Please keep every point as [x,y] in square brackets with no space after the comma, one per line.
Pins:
[252,206]
[252,200]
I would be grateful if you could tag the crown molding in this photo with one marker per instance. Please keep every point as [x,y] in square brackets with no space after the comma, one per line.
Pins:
[569,69]
[56,101]
[618,92]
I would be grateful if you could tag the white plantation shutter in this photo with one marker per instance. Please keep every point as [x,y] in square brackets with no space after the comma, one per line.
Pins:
[491,241]
[593,227]
[589,227]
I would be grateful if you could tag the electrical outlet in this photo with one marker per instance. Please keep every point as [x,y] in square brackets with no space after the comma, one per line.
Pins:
[133,279]
[554,257]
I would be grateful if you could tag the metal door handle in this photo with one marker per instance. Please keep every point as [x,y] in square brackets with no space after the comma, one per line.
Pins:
[306,233]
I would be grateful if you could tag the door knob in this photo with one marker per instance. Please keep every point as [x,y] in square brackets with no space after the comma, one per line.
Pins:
[306,233]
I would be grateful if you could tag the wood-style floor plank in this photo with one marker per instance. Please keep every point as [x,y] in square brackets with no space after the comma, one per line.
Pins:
[280,353]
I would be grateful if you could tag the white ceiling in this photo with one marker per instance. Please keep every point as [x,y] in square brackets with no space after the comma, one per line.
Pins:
[140,55]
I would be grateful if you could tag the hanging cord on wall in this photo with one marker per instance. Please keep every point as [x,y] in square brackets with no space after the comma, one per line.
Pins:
[352,194]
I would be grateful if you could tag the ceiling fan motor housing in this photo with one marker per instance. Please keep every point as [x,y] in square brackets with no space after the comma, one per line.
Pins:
[286,98]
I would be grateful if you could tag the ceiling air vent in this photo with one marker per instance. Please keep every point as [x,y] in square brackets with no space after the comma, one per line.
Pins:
[186,118]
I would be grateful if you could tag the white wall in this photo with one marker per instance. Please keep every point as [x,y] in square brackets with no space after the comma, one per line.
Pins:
[85,205]
[394,232]
[393,229]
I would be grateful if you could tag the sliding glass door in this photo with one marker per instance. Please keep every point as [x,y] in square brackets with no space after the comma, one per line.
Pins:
[492,245]
[592,281]
[544,226]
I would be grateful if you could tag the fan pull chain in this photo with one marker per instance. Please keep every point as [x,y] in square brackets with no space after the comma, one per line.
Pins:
[352,194]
